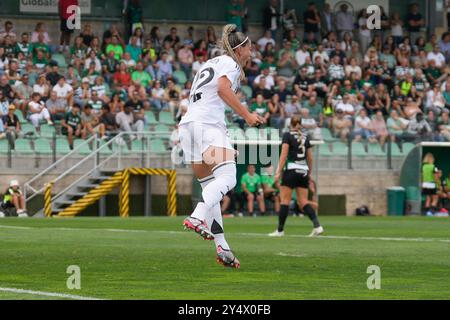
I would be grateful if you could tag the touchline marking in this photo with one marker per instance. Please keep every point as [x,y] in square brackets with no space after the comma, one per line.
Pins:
[14,227]
[282,254]
[47,294]
[238,234]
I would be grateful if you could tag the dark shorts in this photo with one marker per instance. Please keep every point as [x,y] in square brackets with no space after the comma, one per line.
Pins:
[64,28]
[429,192]
[64,131]
[295,179]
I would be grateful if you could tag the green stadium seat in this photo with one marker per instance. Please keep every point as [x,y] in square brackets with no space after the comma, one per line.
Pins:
[180,77]
[28,128]
[19,115]
[157,146]
[3,146]
[150,117]
[375,150]
[395,150]
[166,118]
[62,146]
[247,91]
[340,149]
[162,128]
[104,151]
[139,146]
[324,150]
[84,147]
[23,146]
[60,59]
[42,146]
[47,131]
[358,150]
[326,134]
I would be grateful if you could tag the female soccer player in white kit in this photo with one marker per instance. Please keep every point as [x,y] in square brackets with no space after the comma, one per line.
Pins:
[204,137]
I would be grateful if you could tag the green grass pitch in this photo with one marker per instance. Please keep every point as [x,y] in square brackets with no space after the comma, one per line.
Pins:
[153,258]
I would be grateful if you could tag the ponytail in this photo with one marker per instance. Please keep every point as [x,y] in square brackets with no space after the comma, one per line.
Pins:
[296,122]
[231,40]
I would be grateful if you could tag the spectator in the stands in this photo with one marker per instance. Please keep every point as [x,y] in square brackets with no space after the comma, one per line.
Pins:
[108,119]
[276,108]
[443,126]
[341,126]
[38,112]
[271,16]
[172,38]
[65,9]
[11,125]
[260,107]
[234,14]
[396,126]
[414,22]
[311,20]
[344,21]
[90,124]
[127,122]
[64,91]
[252,190]
[56,107]
[363,128]
[186,57]
[418,129]
[164,67]
[310,126]
[379,128]
[71,124]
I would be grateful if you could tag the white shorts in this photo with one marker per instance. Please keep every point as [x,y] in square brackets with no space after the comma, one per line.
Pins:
[197,137]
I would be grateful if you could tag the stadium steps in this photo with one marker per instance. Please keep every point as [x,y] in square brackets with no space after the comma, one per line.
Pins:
[86,192]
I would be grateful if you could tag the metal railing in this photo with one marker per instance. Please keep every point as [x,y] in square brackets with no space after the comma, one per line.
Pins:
[79,164]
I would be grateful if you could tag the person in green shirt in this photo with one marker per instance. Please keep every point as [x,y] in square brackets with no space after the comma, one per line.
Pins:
[142,76]
[116,47]
[252,190]
[40,61]
[71,124]
[14,198]
[260,107]
[315,108]
[429,188]
[40,46]
[271,188]
[234,14]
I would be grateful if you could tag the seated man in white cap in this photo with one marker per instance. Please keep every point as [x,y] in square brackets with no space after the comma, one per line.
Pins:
[13,198]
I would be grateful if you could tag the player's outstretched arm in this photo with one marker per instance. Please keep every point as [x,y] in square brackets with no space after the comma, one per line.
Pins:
[227,95]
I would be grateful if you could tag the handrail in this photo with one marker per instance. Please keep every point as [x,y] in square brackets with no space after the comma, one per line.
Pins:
[116,154]
[51,167]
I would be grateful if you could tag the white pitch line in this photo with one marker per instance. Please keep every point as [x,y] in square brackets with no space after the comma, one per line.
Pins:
[241,234]
[14,227]
[282,254]
[47,294]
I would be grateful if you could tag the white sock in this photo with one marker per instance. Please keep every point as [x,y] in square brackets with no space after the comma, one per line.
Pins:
[201,209]
[225,180]
[215,224]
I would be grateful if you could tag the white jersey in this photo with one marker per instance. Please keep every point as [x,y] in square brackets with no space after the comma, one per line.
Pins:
[205,105]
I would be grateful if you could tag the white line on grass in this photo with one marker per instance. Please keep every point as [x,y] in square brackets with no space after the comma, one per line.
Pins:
[282,254]
[14,227]
[47,294]
[243,234]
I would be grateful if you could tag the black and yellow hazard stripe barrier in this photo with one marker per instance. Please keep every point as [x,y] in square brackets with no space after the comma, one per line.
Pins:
[171,188]
[48,199]
[122,179]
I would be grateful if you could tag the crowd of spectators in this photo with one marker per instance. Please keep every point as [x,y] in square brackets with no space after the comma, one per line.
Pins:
[360,84]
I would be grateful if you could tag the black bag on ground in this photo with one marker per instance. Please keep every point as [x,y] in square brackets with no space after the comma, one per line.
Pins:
[362,211]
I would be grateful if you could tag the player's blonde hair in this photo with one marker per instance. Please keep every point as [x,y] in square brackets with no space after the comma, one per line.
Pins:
[429,158]
[231,40]
[296,123]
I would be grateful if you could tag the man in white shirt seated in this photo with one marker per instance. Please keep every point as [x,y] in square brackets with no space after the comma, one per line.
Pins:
[346,107]
[270,81]
[437,56]
[64,91]
[301,54]
[363,128]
